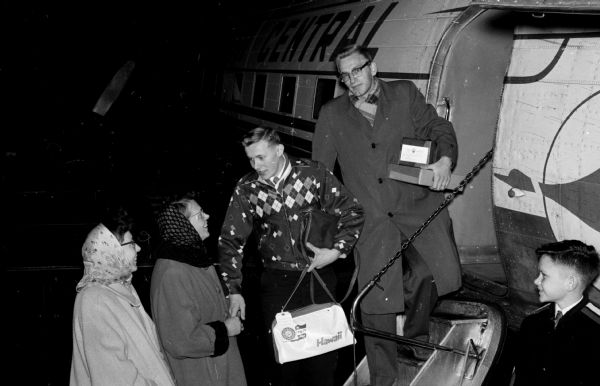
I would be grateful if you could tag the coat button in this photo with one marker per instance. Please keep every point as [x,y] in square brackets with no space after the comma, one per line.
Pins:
[390,214]
[380,180]
[373,145]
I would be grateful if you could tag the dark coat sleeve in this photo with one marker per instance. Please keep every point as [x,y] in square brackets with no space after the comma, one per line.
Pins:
[429,126]
[525,359]
[183,331]
[323,143]
[336,199]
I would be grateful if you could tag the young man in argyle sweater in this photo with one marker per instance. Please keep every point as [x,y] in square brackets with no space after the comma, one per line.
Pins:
[269,202]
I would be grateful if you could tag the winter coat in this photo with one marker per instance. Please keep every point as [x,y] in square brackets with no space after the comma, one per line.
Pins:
[114,339]
[565,355]
[393,209]
[189,308]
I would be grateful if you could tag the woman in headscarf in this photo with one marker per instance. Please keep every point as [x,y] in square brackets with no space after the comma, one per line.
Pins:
[189,304]
[114,339]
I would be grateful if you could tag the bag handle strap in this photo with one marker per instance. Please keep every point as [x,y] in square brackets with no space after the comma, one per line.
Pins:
[350,286]
[318,277]
[295,288]
[353,279]
[306,230]
[302,275]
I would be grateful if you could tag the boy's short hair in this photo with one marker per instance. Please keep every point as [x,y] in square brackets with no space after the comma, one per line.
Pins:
[261,133]
[575,254]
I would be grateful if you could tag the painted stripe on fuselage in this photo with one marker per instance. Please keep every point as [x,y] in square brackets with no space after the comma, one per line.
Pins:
[383,75]
[542,74]
[281,119]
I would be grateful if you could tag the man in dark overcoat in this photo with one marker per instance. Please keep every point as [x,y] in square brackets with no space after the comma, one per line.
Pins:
[363,129]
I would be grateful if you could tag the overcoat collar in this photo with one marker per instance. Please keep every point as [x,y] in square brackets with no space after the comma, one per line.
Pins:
[382,106]
[573,311]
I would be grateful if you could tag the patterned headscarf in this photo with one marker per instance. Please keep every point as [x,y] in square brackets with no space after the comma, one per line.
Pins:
[104,259]
[178,234]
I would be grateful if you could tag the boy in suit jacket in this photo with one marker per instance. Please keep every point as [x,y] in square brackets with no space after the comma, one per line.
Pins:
[560,340]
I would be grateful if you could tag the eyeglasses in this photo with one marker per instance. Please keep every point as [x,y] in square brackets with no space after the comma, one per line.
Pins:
[143,237]
[345,76]
[198,213]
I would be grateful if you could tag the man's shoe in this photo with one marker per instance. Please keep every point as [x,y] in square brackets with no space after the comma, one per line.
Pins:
[420,353]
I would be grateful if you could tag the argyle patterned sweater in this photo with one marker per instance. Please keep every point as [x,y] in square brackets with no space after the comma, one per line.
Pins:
[275,216]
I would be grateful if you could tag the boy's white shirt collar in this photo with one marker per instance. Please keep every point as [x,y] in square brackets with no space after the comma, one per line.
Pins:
[283,173]
[566,309]
[287,167]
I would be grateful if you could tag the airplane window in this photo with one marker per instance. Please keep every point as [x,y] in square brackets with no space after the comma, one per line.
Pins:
[323,94]
[288,92]
[211,84]
[260,84]
[237,91]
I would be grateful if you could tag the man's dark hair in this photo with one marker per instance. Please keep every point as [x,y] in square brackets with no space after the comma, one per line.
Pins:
[261,133]
[581,257]
[354,49]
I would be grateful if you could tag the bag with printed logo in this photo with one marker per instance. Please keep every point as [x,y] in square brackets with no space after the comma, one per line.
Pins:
[310,331]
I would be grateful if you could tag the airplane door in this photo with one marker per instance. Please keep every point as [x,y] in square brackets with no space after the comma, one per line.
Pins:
[470,89]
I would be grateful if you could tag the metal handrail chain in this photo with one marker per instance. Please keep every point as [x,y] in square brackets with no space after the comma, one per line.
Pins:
[356,326]
[449,197]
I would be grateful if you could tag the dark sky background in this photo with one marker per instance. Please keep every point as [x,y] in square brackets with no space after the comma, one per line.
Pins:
[62,163]
[59,60]
[161,136]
